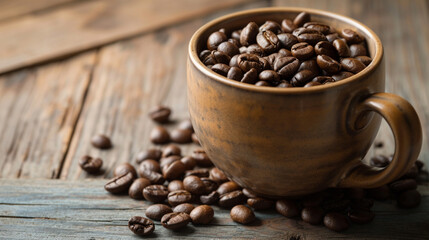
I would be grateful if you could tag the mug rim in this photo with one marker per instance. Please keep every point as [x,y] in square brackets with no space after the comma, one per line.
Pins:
[194,56]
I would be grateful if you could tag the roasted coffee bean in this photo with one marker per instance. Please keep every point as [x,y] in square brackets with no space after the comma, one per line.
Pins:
[184,207]
[380,161]
[160,114]
[285,53]
[216,57]
[403,185]
[155,193]
[301,78]
[286,66]
[195,139]
[211,185]
[218,175]
[288,26]
[171,150]
[243,49]
[360,216]
[201,173]
[189,162]
[202,214]
[183,135]
[233,62]
[284,84]
[136,189]
[235,42]
[309,36]
[153,177]
[409,199]
[210,199]
[141,226]
[168,160]
[312,84]
[341,47]
[269,76]
[215,39]
[89,164]
[301,18]
[287,208]
[250,77]
[236,34]
[151,153]
[357,50]
[268,41]
[323,79]
[175,220]
[328,64]
[255,49]
[149,165]
[248,34]
[242,214]
[287,40]
[364,59]
[342,75]
[380,193]
[312,215]
[194,185]
[123,168]
[321,27]
[259,203]
[159,135]
[221,69]
[228,48]
[336,221]
[201,158]
[227,187]
[249,193]
[204,54]
[246,62]
[175,185]
[231,199]
[178,197]
[156,211]
[310,65]
[352,65]
[326,48]
[331,37]
[120,183]
[302,51]
[101,141]
[235,73]
[355,193]
[186,124]
[272,26]
[174,170]
[351,36]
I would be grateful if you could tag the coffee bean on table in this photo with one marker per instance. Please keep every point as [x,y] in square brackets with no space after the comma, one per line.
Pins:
[403,185]
[201,158]
[186,124]
[156,211]
[231,199]
[178,197]
[312,215]
[200,172]
[160,114]
[195,138]
[287,208]
[151,153]
[101,141]
[168,160]
[227,187]
[361,216]
[124,168]
[89,164]
[202,214]
[242,214]
[182,135]
[159,135]
[218,175]
[211,185]
[215,39]
[136,189]
[194,185]
[149,165]
[336,221]
[249,193]
[189,162]
[409,199]
[210,199]
[175,185]
[174,170]
[259,203]
[155,193]
[184,207]
[175,220]
[171,150]
[120,183]
[141,226]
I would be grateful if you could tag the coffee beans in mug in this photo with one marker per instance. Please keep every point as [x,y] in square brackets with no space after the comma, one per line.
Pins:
[141,226]
[90,165]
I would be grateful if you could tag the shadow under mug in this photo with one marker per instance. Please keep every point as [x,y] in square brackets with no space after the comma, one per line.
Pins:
[283,142]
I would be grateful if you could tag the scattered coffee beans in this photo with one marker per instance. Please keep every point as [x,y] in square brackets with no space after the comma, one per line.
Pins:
[155,193]
[136,189]
[157,211]
[159,135]
[160,114]
[242,214]
[90,165]
[336,221]
[141,226]
[184,207]
[175,220]
[101,141]
[124,168]
[120,183]
[151,153]
[202,214]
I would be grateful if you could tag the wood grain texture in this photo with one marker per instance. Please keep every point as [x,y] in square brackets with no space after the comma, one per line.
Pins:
[39,109]
[16,8]
[34,39]
[51,209]
[406,47]
[131,78]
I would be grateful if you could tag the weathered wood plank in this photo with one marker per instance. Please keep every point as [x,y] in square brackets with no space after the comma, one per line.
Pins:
[132,77]
[88,24]
[16,8]
[40,107]
[48,209]
[406,48]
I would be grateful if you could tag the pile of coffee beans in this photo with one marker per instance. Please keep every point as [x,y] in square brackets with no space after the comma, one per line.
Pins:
[293,53]
[182,190]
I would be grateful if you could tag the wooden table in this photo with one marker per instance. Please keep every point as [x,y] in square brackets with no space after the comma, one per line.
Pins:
[71,69]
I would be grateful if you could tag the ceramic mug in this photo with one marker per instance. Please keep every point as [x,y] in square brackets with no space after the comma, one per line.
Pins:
[292,141]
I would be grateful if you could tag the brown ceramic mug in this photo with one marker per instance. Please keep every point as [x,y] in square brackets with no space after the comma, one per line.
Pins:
[293,141]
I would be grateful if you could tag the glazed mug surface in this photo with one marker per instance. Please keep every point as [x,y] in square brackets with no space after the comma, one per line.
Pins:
[283,142]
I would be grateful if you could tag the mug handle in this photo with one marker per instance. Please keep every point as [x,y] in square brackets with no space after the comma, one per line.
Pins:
[407,131]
